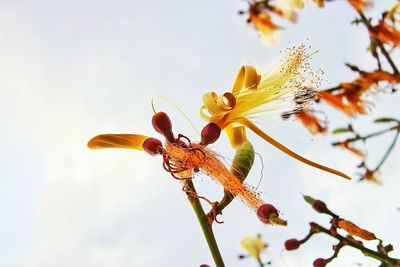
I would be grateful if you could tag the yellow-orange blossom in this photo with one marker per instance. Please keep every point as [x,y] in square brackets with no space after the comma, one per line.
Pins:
[286,88]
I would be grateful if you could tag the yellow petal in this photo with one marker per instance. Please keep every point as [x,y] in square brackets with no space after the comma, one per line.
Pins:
[247,77]
[130,141]
[287,151]
[236,135]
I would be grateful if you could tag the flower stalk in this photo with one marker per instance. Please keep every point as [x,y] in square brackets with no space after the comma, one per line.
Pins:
[206,227]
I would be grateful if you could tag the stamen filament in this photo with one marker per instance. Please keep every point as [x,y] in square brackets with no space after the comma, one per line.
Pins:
[269,139]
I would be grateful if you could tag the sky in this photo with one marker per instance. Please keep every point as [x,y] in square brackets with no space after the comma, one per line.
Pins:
[70,70]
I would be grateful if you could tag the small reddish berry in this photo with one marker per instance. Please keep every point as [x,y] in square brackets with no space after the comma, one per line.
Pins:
[265,211]
[153,146]
[210,134]
[292,244]
[319,263]
[163,125]
[204,265]
[319,206]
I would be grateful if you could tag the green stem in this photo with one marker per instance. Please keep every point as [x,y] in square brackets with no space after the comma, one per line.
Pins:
[260,262]
[363,138]
[366,251]
[389,150]
[206,227]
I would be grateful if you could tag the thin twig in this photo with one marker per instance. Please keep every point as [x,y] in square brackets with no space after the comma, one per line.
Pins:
[366,251]
[389,150]
[363,138]
[381,46]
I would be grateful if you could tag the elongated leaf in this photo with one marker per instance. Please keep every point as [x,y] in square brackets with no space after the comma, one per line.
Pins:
[385,120]
[341,130]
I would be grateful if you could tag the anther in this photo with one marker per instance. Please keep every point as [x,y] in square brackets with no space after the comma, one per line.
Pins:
[210,134]
[162,124]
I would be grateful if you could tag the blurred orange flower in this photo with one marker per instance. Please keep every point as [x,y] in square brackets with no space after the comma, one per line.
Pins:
[320,3]
[360,5]
[311,122]
[348,146]
[349,97]
[370,176]
[263,23]
[386,33]
[288,8]
[393,13]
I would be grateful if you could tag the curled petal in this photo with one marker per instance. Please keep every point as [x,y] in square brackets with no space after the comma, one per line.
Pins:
[247,77]
[130,141]
[218,105]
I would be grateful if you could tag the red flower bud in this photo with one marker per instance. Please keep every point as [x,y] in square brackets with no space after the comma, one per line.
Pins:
[268,214]
[210,134]
[292,244]
[162,124]
[153,146]
[319,263]
[265,211]
[320,206]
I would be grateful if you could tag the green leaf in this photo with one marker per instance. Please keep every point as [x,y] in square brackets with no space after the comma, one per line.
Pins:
[341,130]
[243,161]
[385,120]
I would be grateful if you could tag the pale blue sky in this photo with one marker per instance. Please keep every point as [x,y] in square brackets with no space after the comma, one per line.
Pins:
[72,69]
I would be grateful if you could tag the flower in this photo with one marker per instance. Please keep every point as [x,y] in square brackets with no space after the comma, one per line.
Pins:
[386,33]
[263,23]
[370,175]
[288,8]
[349,97]
[311,122]
[360,5]
[320,3]
[341,102]
[182,158]
[347,145]
[393,12]
[287,88]
[254,246]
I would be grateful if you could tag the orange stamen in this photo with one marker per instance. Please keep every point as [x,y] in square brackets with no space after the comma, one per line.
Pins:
[199,157]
